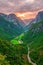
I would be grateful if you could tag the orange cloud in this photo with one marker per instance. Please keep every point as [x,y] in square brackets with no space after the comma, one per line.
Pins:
[26,15]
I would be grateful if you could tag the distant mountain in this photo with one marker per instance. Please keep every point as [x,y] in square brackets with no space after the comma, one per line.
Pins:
[38,18]
[33,31]
[33,38]
[13,26]
[10,26]
[27,21]
[34,27]
[13,18]
[2,14]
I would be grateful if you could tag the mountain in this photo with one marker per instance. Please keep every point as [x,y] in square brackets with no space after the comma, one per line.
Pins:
[16,20]
[32,42]
[27,21]
[28,25]
[33,38]
[38,18]
[2,14]
[13,18]
[34,30]
[10,26]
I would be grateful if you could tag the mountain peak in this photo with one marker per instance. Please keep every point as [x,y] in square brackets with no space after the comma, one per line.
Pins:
[12,16]
[39,16]
[41,12]
[2,14]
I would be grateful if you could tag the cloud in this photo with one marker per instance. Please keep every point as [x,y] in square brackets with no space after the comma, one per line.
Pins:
[35,6]
[20,5]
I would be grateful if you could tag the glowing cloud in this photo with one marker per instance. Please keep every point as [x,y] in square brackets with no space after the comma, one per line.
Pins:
[30,1]
[22,8]
[26,15]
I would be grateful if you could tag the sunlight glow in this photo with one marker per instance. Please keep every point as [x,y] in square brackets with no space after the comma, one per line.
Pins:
[26,15]
[21,15]
[30,1]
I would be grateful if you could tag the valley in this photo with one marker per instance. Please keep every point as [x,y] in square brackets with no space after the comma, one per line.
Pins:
[21,44]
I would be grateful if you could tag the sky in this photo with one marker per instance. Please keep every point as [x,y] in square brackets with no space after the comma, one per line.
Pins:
[25,9]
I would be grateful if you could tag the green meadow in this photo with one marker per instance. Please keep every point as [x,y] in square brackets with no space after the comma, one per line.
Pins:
[18,40]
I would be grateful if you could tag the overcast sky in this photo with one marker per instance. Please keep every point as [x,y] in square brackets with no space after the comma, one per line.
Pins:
[22,8]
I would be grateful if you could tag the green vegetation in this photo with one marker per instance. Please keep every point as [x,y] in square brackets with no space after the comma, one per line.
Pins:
[8,30]
[18,40]
[36,50]
[34,31]
[13,54]
[3,60]
[34,38]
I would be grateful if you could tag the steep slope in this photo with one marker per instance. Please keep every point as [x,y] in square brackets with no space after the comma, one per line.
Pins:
[13,18]
[34,39]
[34,30]
[9,30]
[17,21]
[38,18]
[31,31]
[36,50]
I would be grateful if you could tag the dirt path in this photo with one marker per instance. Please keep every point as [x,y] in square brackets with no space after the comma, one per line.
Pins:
[29,59]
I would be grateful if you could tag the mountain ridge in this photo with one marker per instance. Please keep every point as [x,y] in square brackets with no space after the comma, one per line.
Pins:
[10,29]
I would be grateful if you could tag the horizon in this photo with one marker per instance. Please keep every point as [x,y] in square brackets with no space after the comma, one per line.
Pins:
[25,9]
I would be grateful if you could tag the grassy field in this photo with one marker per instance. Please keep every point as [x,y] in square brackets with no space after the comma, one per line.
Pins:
[17,40]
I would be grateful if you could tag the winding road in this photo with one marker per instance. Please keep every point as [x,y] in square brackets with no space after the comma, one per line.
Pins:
[29,59]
